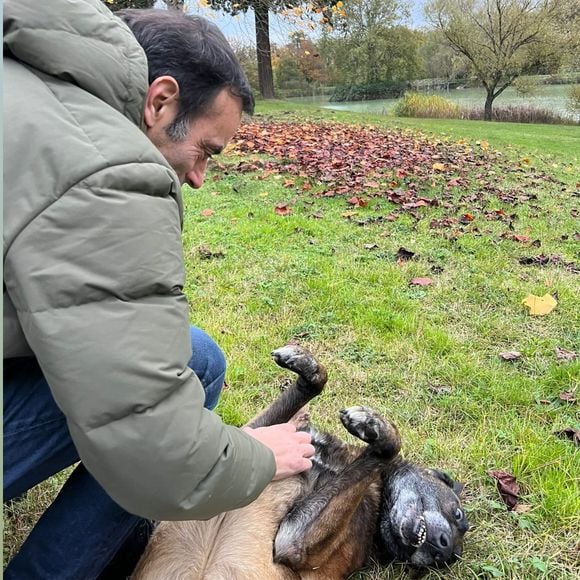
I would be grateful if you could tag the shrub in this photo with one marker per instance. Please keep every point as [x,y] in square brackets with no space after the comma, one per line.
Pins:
[574,99]
[426,106]
[518,114]
[386,90]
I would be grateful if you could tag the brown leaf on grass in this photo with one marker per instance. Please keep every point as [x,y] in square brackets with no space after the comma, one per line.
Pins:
[466,218]
[542,260]
[509,235]
[568,397]
[540,305]
[566,355]
[421,282]
[522,508]
[508,487]
[282,209]
[404,255]
[207,212]
[357,201]
[570,433]
[510,355]
[288,183]
[371,246]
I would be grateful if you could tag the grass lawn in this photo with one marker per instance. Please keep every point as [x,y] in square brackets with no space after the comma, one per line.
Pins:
[428,357]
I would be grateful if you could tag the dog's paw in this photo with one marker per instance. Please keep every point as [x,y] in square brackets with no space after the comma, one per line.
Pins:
[370,427]
[300,361]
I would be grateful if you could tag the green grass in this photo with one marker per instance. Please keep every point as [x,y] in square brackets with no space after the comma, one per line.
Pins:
[308,276]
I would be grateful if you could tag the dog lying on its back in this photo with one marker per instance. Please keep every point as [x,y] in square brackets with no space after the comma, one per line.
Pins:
[355,503]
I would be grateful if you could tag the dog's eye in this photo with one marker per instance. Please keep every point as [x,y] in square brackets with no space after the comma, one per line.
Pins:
[458,514]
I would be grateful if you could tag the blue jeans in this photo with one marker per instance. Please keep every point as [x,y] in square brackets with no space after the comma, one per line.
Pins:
[80,534]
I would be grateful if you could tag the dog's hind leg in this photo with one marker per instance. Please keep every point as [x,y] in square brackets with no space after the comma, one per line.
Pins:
[332,527]
[310,381]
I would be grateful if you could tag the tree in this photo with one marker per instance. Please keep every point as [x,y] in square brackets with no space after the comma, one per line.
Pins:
[262,9]
[367,46]
[115,5]
[175,4]
[502,39]
[298,66]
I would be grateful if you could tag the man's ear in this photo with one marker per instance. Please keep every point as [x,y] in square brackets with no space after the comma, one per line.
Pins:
[161,102]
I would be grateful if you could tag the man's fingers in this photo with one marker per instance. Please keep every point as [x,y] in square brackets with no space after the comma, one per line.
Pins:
[303,436]
[307,450]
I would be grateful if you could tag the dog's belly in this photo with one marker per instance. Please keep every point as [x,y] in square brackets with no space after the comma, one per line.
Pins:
[236,545]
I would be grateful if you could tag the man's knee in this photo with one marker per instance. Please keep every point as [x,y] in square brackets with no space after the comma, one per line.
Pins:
[209,364]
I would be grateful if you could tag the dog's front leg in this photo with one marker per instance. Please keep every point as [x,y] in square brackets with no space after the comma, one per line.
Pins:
[332,527]
[309,383]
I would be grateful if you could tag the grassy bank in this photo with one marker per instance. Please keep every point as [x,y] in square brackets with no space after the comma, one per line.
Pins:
[323,271]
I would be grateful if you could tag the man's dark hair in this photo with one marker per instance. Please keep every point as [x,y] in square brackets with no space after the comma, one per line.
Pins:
[196,54]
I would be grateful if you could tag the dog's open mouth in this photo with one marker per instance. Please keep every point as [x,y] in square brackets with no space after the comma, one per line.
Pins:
[414,531]
[419,532]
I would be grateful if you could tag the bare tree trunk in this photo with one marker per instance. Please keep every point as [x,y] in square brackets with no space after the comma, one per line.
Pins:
[487,111]
[264,52]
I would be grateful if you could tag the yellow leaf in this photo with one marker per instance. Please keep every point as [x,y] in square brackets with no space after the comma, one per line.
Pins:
[540,305]
[484,145]
[439,166]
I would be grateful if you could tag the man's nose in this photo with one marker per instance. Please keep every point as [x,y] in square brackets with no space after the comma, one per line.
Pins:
[196,176]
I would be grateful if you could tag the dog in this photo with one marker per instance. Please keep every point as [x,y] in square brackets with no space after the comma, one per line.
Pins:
[355,503]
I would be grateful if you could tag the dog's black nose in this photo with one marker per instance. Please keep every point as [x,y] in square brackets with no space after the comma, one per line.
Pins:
[443,541]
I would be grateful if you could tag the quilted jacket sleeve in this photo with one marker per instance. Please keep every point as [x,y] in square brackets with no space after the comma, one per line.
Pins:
[96,279]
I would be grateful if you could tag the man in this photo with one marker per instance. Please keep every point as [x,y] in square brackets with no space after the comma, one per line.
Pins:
[100,363]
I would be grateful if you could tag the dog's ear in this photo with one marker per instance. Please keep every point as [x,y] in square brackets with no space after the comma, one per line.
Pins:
[448,480]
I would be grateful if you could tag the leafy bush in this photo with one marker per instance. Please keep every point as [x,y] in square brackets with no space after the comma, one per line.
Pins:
[426,106]
[386,90]
[518,114]
[574,99]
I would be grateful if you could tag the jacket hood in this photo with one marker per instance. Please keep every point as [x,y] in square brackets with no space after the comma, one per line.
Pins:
[69,39]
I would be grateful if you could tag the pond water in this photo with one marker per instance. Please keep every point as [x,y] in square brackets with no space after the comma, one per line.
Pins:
[552,97]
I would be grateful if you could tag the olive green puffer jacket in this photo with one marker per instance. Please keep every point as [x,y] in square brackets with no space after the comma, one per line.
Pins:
[93,267]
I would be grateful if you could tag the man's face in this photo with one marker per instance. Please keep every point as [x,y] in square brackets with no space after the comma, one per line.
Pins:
[208,135]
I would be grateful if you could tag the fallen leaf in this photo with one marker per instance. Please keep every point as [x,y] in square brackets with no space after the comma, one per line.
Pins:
[288,183]
[348,214]
[570,433]
[357,202]
[563,354]
[484,145]
[540,305]
[421,282]
[207,212]
[371,246]
[567,397]
[404,255]
[507,486]
[510,355]
[522,508]
[438,166]
[466,218]
[282,209]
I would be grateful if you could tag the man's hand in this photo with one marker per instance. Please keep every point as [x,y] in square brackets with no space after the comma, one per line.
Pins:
[291,448]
